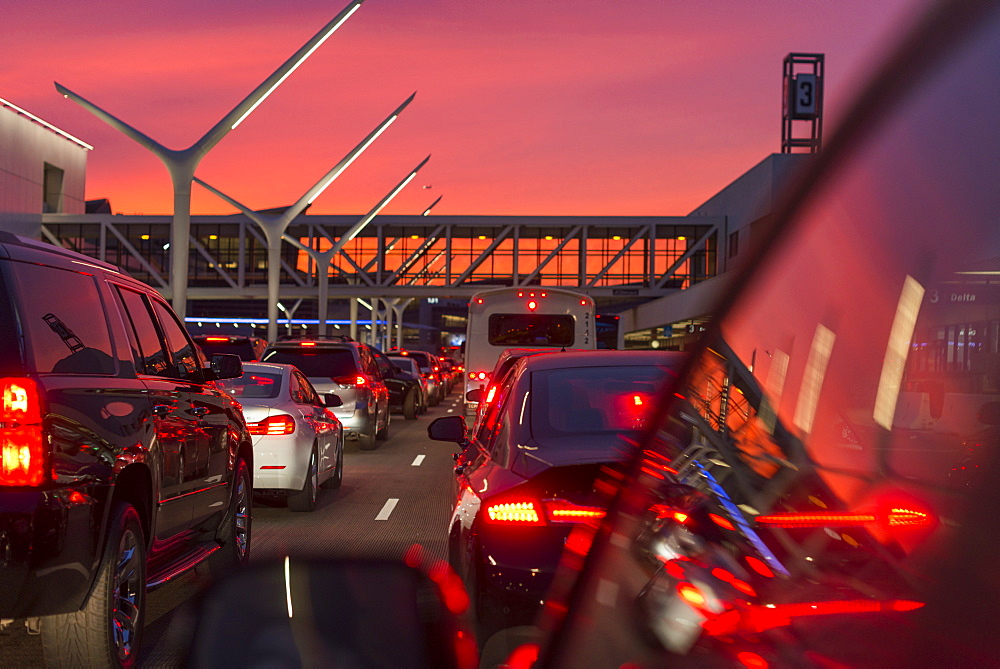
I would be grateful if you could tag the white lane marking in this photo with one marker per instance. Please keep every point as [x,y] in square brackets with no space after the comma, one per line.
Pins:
[390,504]
[451,411]
[417,460]
[607,593]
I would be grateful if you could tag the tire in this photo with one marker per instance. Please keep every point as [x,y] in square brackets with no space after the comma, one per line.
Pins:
[383,434]
[334,481]
[410,405]
[235,532]
[106,632]
[305,499]
[366,442]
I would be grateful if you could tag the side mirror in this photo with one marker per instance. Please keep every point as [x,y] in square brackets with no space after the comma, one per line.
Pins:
[227,366]
[332,400]
[474,395]
[448,428]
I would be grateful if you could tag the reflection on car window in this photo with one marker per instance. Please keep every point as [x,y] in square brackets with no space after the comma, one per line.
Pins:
[317,363]
[67,329]
[150,357]
[182,351]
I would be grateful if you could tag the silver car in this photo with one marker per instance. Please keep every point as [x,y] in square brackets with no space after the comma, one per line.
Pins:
[298,442]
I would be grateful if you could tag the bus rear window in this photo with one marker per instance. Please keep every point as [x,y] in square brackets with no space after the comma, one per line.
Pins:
[531,330]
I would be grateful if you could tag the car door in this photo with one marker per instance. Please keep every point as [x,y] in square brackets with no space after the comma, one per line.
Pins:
[209,411]
[312,412]
[174,463]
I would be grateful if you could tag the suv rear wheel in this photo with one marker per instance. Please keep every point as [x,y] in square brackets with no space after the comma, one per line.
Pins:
[234,535]
[107,630]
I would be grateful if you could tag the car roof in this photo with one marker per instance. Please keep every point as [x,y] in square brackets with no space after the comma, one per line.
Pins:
[275,367]
[603,358]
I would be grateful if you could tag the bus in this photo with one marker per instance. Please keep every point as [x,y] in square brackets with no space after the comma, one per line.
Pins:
[525,318]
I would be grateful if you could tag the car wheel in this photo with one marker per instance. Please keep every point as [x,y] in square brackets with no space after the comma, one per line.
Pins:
[234,534]
[410,405]
[106,632]
[366,440]
[338,475]
[305,499]
[383,434]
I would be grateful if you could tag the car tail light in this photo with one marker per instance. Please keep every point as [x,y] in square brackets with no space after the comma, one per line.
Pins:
[895,516]
[760,618]
[22,448]
[216,338]
[491,394]
[540,512]
[352,381]
[273,425]
[478,376]
[307,343]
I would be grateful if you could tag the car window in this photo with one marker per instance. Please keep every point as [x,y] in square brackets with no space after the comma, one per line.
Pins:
[253,385]
[316,362]
[63,315]
[148,352]
[182,351]
[581,400]
[306,390]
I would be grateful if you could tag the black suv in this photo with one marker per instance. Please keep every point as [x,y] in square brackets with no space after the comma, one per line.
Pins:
[250,349]
[337,364]
[405,392]
[122,464]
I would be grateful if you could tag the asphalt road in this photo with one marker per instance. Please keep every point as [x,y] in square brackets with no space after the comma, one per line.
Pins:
[393,497]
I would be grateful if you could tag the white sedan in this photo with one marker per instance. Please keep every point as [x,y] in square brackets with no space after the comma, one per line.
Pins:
[298,443]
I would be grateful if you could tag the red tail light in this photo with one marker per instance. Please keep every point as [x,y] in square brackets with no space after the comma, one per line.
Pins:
[22,449]
[307,343]
[757,618]
[352,381]
[273,425]
[481,376]
[891,517]
[216,338]
[541,512]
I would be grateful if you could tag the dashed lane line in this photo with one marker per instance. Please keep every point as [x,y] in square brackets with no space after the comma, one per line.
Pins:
[390,504]
[417,461]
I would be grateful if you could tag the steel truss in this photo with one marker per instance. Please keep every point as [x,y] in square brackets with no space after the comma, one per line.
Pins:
[409,256]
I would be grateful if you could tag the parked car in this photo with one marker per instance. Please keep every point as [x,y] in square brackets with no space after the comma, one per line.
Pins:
[298,442]
[526,477]
[250,349]
[346,368]
[405,390]
[123,464]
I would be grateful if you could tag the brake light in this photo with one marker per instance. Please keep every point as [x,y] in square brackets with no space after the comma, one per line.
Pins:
[491,394]
[482,376]
[892,517]
[356,381]
[757,618]
[532,305]
[273,425]
[541,512]
[307,343]
[216,338]
[22,454]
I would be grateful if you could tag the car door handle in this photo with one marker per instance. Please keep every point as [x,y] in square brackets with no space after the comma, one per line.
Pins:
[199,412]
[161,410]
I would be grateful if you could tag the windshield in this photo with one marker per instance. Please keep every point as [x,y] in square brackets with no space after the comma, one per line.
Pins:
[257,385]
[317,362]
[531,330]
[586,400]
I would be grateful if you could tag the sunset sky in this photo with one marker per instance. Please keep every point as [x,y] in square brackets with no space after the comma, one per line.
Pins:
[547,107]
